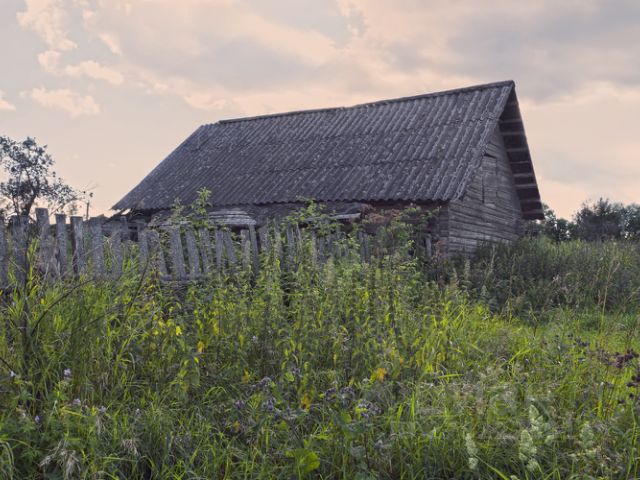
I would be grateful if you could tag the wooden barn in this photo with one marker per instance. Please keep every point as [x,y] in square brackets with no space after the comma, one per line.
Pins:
[461,153]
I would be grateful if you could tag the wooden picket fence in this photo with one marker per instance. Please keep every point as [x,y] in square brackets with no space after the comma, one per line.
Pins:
[73,247]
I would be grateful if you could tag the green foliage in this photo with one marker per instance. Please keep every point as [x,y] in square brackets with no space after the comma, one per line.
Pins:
[336,370]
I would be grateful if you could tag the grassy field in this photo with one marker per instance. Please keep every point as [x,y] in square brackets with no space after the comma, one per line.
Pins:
[520,364]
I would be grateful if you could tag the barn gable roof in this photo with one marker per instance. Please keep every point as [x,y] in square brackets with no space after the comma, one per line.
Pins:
[421,149]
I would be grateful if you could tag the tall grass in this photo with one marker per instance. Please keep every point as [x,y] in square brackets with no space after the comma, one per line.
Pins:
[340,370]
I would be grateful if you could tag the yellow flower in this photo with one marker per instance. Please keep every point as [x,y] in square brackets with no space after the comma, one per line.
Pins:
[201,346]
[178,331]
[246,377]
[305,401]
[380,373]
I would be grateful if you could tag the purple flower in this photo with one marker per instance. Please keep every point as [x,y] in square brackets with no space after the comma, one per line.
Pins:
[239,404]
[76,402]
[102,409]
[37,418]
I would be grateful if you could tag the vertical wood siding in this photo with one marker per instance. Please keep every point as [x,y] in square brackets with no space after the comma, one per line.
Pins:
[490,210]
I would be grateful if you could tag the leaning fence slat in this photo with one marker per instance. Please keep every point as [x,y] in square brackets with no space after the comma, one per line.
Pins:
[263,234]
[177,253]
[246,249]
[156,252]
[219,248]
[97,251]
[230,251]
[46,257]
[291,247]
[277,243]
[4,255]
[19,237]
[115,240]
[77,234]
[19,242]
[255,254]
[192,252]
[205,249]
[62,243]
[143,247]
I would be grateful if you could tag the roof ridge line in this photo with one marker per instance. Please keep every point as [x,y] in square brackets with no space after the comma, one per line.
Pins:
[453,91]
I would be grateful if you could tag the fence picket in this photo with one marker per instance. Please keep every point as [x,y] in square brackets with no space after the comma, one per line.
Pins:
[205,249]
[61,243]
[177,253]
[97,251]
[192,253]
[77,234]
[4,255]
[46,257]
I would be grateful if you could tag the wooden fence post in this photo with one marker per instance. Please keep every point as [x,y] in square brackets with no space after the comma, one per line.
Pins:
[143,246]
[97,252]
[177,254]
[246,249]
[19,241]
[79,259]
[205,249]
[228,243]
[115,239]
[255,254]
[61,243]
[219,239]
[156,252]
[46,256]
[4,255]
[192,252]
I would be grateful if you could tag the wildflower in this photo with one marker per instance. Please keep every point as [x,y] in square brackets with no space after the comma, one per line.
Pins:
[472,451]
[77,402]
[36,419]
[239,404]
[201,346]
[254,339]
[178,331]
[12,374]
[348,391]
[329,394]
[102,409]
[305,401]
[262,384]
[269,405]
[380,373]
[366,409]
[67,374]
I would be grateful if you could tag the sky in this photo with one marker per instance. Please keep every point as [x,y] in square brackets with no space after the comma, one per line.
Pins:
[113,86]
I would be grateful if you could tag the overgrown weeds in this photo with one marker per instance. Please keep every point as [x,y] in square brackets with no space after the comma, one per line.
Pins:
[342,369]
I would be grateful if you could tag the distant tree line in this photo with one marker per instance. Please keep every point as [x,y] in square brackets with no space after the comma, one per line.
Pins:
[598,220]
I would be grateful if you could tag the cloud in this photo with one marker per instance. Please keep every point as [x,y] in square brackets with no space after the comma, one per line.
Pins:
[47,18]
[50,62]
[64,99]
[5,105]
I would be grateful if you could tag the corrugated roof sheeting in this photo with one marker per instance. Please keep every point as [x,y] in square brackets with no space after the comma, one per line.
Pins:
[422,148]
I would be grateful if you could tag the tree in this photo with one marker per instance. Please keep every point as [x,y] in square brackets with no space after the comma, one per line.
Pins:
[30,179]
[553,227]
[600,220]
[632,221]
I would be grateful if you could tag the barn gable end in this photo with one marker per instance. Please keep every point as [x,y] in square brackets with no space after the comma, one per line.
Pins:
[489,211]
